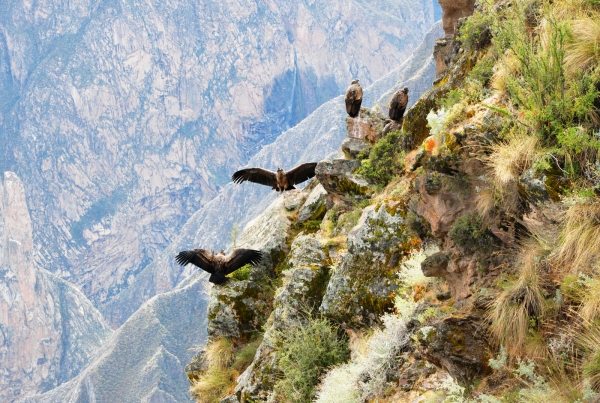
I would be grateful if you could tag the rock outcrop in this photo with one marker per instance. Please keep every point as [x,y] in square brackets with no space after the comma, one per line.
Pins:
[452,11]
[49,331]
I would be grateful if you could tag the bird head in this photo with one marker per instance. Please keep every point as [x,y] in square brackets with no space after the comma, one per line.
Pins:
[222,252]
[355,81]
[405,89]
[280,170]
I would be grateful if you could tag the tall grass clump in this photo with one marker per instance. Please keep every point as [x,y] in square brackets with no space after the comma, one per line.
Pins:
[307,350]
[589,341]
[519,306]
[539,69]
[224,363]
[579,244]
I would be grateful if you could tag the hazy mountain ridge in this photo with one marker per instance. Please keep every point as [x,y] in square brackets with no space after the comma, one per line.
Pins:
[49,330]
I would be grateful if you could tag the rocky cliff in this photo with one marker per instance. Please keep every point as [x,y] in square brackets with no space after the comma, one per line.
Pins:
[49,331]
[315,138]
[123,118]
[454,260]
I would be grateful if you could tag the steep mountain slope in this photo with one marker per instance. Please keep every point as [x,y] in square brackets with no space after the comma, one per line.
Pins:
[144,359]
[49,331]
[123,117]
[313,139]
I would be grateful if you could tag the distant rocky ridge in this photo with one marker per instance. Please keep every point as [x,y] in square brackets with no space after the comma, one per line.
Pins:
[315,138]
[49,331]
[122,118]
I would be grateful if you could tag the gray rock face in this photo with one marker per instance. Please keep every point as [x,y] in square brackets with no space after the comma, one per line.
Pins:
[48,329]
[314,139]
[303,287]
[378,242]
[314,205]
[338,179]
[124,117]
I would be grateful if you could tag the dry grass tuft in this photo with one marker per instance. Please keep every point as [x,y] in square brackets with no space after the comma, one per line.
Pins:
[583,50]
[509,159]
[589,340]
[213,386]
[590,302]
[219,353]
[512,311]
[506,68]
[579,244]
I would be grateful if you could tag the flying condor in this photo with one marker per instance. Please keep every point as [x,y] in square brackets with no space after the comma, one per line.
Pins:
[398,104]
[354,95]
[219,265]
[279,180]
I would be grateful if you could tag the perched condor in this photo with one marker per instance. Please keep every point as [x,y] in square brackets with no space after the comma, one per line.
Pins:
[398,104]
[219,265]
[279,180]
[353,98]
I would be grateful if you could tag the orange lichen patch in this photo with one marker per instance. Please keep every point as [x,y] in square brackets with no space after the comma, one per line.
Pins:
[430,144]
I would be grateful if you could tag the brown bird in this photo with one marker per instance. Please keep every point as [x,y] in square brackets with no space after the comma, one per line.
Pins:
[219,265]
[279,180]
[398,104]
[354,95]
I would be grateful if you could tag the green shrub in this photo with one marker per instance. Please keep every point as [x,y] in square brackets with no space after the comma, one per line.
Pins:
[307,350]
[468,232]
[476,30]
[243,273]
[385,160]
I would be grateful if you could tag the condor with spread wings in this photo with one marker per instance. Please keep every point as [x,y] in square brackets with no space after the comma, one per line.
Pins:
[279,180]
[219,265]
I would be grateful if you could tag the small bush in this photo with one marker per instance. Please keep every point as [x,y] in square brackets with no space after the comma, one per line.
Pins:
[386,159]
[476,30]
[307,351]
[469,233]
[366,378]
[243,273]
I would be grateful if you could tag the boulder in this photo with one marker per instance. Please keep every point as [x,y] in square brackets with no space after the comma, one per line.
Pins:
[237,309]
[367,126]
[314,206]
[459,345]
[338,178]
[361,287]
[453,10]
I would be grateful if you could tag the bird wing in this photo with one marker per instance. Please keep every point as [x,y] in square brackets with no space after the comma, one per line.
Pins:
[241,257]
[301,173]
[198,257]
[256,175]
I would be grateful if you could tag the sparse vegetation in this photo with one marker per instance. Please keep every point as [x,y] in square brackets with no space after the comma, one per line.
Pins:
[469,232]
[310,348]
[517,309]
[224,362]
[385,160]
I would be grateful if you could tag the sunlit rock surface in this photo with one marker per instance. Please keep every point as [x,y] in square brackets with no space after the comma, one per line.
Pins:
[48,329]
